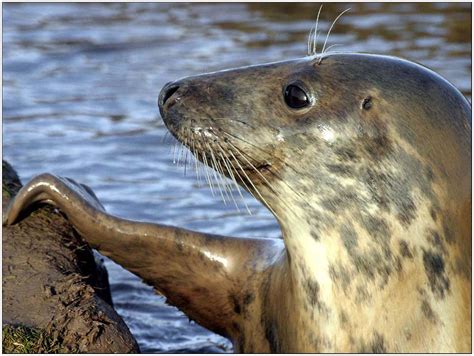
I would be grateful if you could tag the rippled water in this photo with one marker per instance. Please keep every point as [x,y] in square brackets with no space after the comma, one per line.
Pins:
[80,83]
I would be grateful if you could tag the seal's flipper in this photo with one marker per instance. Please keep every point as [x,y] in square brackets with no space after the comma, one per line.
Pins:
[206,276]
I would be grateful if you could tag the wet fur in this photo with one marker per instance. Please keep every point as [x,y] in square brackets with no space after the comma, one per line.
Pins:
[370,185]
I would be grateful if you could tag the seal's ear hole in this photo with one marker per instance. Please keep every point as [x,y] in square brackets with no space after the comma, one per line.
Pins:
[366,103]
[296,97]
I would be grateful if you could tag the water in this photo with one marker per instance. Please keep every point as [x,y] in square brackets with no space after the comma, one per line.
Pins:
[80,84]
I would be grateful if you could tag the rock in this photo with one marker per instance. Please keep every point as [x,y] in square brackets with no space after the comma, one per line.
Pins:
[52,282]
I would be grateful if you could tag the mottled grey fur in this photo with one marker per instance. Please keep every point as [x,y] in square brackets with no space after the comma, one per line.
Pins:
[377,168]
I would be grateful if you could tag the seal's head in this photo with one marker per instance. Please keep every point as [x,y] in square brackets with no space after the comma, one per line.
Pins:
[351,134]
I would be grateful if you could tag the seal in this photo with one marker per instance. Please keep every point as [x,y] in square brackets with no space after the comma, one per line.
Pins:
[365,162]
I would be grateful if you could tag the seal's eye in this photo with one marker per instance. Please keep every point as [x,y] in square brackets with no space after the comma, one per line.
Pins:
[295,97]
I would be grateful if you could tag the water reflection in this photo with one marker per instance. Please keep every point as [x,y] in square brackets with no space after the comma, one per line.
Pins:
[80,83]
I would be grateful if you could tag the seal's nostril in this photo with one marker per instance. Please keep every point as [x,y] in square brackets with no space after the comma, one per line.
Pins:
[165,97]
[169,92]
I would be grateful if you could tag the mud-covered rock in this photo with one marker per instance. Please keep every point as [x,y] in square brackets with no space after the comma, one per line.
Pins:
[52,282]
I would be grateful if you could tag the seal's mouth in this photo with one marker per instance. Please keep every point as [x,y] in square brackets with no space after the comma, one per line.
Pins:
[225,156]
[212,147]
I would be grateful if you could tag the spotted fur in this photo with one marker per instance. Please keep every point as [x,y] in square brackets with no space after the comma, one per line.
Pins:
[371,185]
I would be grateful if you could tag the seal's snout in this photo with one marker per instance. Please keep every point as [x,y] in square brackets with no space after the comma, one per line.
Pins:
[167,98]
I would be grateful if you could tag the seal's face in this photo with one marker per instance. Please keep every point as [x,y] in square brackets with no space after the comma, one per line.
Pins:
[239,118]
[249,123]
[320,129]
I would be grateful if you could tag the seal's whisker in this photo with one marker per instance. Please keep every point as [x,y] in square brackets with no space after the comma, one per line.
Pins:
[331,46]
[227,189]
[207,172]
[170,148]
[310,37]
[285,163]
[213,184]
[220,178]
[181,156]
[253,145]
[185,161]
[218,182]
[267,183]
[253,185]
[226,161]
[316,33]
[243,182]
[253,167]
[263,151]
[330,29]
[215,169]
[186,149]
[269,169]
[245,141]
[234,184]
[175,146]
[201,169]
[180,153]
[196,168]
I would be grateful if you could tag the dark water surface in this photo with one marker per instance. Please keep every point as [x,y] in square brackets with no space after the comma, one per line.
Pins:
[80,85]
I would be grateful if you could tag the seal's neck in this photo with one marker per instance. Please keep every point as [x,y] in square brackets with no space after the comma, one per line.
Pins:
[310,260]
[345,267]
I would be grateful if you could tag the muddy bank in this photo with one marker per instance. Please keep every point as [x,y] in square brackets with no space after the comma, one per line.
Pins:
[52,282]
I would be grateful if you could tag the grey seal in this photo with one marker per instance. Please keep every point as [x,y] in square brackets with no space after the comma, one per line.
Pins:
[364,160]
